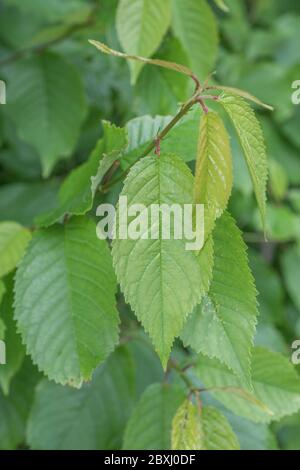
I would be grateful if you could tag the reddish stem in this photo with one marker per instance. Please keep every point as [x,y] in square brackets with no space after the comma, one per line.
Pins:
[157,147]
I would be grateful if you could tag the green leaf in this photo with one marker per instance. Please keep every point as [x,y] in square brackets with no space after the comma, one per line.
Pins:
[217,432]
[51,11]
[223,325]
[91,418]
[2,329]
[290,262]
[278,180]
[78,190]
[195,25]
[149,427]
[141,25]
[13,242]
[65,301]
[222,5]
[160,278]
[2,291]
[47,103]
[244,94]
[16,406]
[187,433]
[148,366]
[252,436]
[22,202]
[252,141]
[160,63]
[213,174]
[15,351]
[275,383]
[144,129]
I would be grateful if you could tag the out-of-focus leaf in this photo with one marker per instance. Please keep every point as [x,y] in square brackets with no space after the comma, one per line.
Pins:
[13,242]
[15,407]
[149,427]
[195,25]
[290,262]
[47,103]
[91,418]
[22,202]
[15,351]
[278,179]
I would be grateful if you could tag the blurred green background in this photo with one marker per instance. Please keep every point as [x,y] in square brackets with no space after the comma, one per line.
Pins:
[45,55]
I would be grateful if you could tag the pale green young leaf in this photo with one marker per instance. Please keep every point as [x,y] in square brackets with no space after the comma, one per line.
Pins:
[78,190]
[194,24]
[252,142]
[92,418]
[187,432]
[217,432]
[160,278]
[149,427]
[65,301]
[15,350]
[276,384]
[160,63]
[243,94]
[13,242]
[47,103]
[223,324]
[141,25]
[213,174]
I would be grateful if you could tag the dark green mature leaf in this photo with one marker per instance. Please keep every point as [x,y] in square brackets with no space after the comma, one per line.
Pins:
[223,325]
[148,366]
[166,64]
[15,407]
[47,103]
[141,25]
[160,278]
[78,190]
[65,301]
[195,25]
[50,11]
[149,427]
[15,351]
[252,141]
[13,242]
[275,383]
[91,418]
